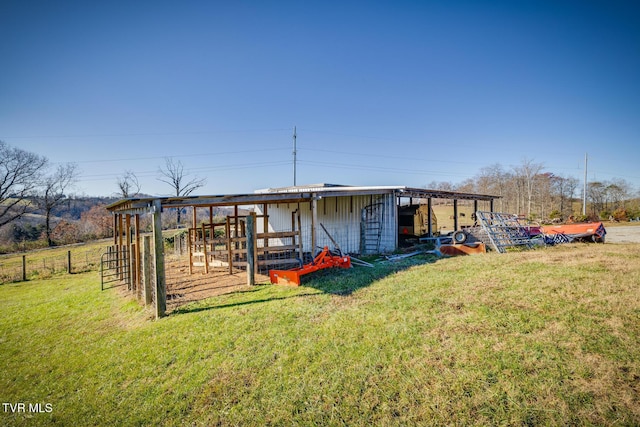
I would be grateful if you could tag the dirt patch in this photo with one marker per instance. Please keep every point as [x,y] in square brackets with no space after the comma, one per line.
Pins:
[183,288]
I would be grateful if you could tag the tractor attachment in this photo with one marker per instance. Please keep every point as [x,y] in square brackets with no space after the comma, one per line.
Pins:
[323,260]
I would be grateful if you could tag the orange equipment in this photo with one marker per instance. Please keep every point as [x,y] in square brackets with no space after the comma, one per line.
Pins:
[590,230]
[323,260]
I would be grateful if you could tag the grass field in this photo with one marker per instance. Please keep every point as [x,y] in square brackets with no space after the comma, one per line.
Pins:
[545,337]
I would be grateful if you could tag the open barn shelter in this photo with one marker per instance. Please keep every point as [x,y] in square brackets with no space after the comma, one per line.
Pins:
[270,228]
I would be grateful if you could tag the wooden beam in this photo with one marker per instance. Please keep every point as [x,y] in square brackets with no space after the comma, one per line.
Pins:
[251,255]
[429,218]
[455,214]
[136,224]
[229,245]
[314,224]
[128,251]
[146,268]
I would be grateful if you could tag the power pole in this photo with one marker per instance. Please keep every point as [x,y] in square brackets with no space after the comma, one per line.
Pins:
[294,156]
[584,188]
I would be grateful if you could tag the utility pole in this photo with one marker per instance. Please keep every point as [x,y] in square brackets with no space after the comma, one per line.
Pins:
[294,156]
[584,188]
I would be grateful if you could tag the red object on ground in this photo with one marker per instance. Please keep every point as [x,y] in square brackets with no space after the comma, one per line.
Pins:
[589,229]
[463,249]
[323,260]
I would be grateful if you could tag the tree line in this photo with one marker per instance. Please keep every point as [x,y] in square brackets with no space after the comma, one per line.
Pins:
[532,192]
[30,185]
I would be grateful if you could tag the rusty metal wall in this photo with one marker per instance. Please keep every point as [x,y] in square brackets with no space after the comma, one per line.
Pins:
[340,216]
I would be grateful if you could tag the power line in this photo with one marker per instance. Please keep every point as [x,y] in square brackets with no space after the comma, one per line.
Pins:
[126,134]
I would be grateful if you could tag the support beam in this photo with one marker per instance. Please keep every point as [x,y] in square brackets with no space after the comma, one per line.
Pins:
[194,217]
[314,224]
[158,241]
[429,218]
[251,243]
[128,251]
[455,214]
[146,271]
[136,281]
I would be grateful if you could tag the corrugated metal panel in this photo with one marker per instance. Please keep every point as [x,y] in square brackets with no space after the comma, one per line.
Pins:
[341,217]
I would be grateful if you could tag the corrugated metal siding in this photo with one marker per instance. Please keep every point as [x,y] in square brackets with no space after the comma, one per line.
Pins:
[340,216]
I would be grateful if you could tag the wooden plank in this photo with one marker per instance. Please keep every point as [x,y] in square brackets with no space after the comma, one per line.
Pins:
[276,249]
[279,261]
[277,234]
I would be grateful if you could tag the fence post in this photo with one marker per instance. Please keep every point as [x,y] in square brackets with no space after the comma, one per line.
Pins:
[161,290]
[146,270]
[24,268]
[251,240]
[69,262]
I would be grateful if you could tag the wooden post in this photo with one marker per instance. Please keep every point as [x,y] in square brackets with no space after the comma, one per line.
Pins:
[115,228]
[251,240]
[229,245]
[128,250]
[300,250]
[455,214]
[68,262]
[429,218]
[314,223]
[490,205]
[265,226]
[137,253]
[24,268]
[119,265]
[146,271]
[204,248]
[158,241]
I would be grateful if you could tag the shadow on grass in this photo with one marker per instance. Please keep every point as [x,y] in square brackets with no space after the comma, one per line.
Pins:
[346,282]
[341,282]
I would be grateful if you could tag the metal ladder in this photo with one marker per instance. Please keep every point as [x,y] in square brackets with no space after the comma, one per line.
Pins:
[372,220]
[504,230]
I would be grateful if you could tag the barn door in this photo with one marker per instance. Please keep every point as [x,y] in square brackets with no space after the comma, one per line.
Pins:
[371,221]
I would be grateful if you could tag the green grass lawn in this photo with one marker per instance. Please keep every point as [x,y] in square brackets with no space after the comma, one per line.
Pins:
[545,337]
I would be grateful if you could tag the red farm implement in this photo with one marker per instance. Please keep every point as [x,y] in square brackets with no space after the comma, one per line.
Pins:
[323,260]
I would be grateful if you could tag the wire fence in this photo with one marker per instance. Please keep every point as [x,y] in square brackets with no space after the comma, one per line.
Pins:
[42,264]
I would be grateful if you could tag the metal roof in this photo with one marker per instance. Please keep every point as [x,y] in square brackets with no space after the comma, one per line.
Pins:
[286,195]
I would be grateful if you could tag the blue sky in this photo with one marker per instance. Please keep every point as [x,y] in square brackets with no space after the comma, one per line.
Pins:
[381,93]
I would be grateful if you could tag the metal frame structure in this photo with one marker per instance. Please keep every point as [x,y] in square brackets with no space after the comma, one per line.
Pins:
[504,230]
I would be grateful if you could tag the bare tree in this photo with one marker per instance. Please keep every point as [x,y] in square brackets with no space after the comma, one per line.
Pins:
[19,175]
[174,175]
[128,185]
[563,189]
[528,174]
[52,192]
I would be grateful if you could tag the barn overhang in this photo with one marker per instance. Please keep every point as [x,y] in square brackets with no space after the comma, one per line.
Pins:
[285,195]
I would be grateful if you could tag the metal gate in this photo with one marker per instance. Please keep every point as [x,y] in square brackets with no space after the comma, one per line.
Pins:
[115,267]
